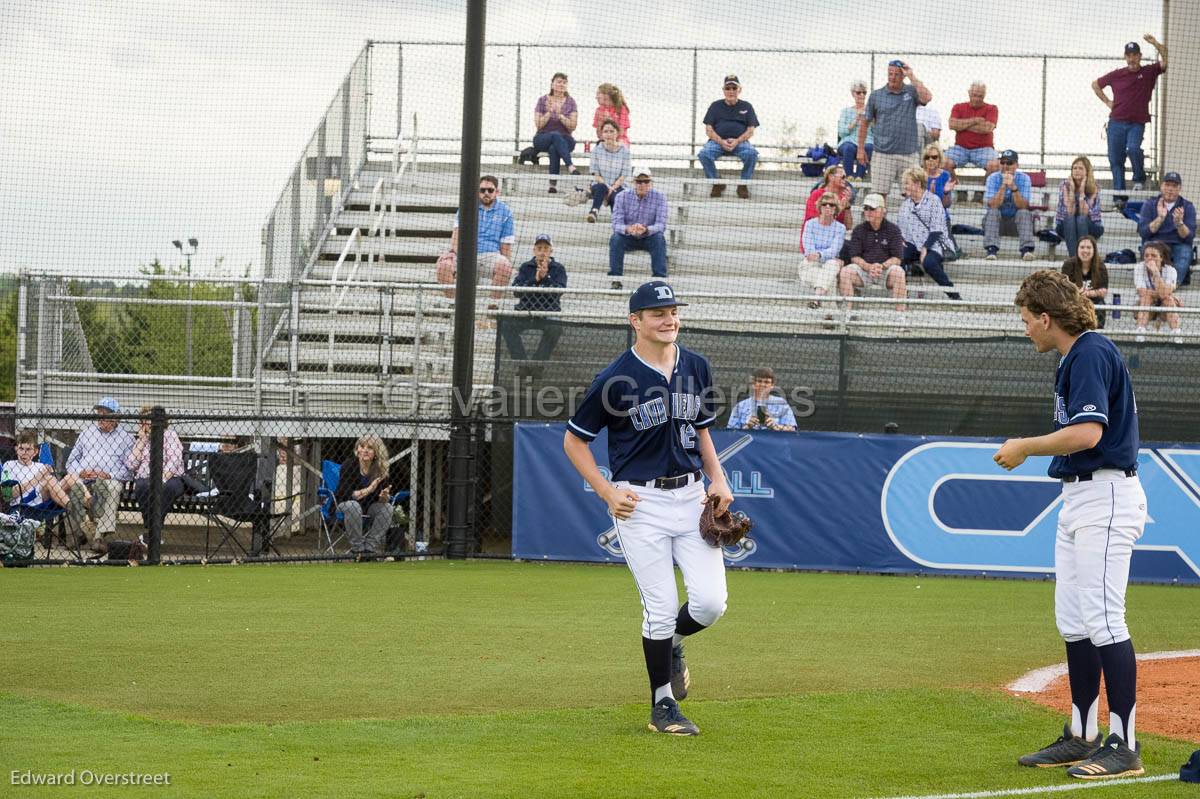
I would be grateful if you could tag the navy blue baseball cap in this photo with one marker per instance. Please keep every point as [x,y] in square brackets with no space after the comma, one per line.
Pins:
[1172,177]
[1009,155]
[655,294]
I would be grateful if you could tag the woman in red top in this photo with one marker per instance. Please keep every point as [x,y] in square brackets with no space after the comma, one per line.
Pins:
[610,104]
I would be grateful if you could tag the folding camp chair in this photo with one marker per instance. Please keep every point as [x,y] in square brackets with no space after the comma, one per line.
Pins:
[48,513]
[237,501]
[332,520]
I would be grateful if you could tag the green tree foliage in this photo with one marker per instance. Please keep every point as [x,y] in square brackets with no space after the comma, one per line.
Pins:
[151,339]
[8,339]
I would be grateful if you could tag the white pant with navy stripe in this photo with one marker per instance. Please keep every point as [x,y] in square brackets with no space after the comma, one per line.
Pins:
[665,529]
[1097,526]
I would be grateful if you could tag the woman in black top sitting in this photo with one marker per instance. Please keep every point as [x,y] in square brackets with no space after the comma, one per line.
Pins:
[1086,270]
[363,490]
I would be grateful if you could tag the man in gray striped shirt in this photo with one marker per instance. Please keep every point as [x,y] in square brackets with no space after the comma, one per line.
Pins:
[892,110]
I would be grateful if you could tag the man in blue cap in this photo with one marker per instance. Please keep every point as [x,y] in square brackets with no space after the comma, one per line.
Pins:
[98,461]
[656,399]
[1007,195]
[1171,219]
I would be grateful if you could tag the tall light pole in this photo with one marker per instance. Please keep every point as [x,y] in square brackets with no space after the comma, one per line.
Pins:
[193,245]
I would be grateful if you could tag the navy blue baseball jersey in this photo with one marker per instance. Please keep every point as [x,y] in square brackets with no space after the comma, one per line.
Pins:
[651,421]
[1093,385]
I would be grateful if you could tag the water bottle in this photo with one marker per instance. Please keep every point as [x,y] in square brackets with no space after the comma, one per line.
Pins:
[1116,300]
[6,490]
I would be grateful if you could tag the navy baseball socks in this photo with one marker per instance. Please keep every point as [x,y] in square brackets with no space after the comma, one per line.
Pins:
[1080,745]
[665,715]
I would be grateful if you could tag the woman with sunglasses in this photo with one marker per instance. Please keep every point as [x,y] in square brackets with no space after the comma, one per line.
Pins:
[938,180]
[824,238]
[554,118]
[847,131]
[834,182]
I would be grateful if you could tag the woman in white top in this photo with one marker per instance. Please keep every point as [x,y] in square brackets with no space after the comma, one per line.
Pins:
[1155,279]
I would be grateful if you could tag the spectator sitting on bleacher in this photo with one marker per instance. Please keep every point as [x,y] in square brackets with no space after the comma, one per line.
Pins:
[847,131]
[1078,212]
[639,222]
[554,118]
[610,168]
[34,481]
[1006,195]
[729,124]
[892,110]
[1171,219]
[1087,271]
[763,408]
[610,104]
[138,461]
[540,271]
[1132,87]
[495,240]
[938,180]
[973,123]
[1155,280]
[363,490]
[923,224]
[97,462]
[824,239]
[876,251]
[929,126]
[834,182]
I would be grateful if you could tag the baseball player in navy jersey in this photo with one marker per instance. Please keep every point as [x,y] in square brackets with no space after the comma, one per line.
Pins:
[1095,447]
[656,401]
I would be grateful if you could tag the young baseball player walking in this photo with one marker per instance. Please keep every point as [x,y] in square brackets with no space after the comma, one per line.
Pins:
[1095,447]
[656,401]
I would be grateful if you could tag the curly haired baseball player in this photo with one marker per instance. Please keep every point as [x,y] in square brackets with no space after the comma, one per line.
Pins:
[1095,448]
[656,401]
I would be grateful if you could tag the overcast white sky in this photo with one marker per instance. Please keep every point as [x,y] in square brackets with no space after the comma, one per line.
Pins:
[128,124]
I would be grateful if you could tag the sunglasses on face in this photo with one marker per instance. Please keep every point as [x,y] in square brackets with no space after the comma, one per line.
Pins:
[1007,163]
[931,158]
[829,205]
[642,180]
[487,190]
[860,91]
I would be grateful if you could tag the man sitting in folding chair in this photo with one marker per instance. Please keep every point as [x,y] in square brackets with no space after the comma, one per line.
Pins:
[238,499]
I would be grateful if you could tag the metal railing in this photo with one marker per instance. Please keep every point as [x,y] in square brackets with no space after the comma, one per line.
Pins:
[666,88]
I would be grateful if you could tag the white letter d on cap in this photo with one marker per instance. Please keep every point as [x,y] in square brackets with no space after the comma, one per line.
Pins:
[664,292]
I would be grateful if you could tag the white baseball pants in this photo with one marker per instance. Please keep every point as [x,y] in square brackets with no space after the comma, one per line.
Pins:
[1097,526]
[665,529]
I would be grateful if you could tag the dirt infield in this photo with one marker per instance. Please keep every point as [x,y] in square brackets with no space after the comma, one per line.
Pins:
[1168,698]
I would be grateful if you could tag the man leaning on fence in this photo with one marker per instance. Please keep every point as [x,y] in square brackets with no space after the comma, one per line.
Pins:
[98,463]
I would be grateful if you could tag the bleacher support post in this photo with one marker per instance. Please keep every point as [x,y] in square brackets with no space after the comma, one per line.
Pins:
[461,486]
[158,426]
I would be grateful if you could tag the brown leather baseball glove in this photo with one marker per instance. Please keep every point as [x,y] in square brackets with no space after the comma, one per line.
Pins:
[724,530]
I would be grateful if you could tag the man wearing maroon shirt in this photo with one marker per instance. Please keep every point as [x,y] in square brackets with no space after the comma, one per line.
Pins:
[1132,87]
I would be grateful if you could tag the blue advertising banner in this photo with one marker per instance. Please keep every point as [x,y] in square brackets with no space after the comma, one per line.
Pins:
[849,502]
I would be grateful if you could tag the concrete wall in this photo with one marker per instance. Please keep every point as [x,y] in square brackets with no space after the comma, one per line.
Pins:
[1181,93]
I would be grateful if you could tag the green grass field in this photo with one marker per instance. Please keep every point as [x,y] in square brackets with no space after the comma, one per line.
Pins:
[483,679]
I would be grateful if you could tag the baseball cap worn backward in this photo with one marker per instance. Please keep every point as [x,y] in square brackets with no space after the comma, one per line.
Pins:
[1172,177]
[655,294]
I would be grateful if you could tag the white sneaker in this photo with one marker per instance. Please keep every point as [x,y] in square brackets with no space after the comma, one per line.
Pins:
[1141,335]
[1028,256]
[1138,186]
[991,256]
[1177,339]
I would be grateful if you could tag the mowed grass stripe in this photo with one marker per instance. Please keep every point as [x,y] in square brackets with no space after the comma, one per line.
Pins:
[847,745]
[293,643]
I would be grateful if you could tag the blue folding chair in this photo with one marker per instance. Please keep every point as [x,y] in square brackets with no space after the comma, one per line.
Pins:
[46,512]
[332,519]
